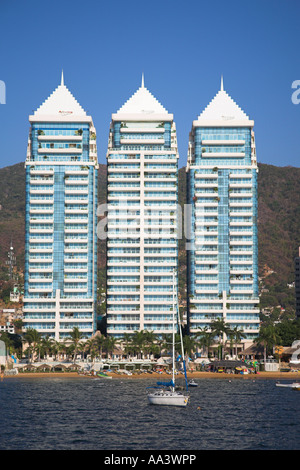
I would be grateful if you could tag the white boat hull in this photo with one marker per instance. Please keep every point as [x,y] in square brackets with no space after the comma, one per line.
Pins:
[294,386]
[193,384]
[168,398]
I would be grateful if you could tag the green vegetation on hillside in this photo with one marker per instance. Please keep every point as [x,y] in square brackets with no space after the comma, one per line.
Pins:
[278,234]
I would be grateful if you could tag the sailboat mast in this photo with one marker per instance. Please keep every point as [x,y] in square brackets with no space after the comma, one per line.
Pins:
[181,341]
[173,339]
[180,331]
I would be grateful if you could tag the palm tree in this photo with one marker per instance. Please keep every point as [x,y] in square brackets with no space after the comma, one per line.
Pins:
[110,344]
[267,338]
[75,337]
[85,347]
[100,340]
[46,345]
[236,335]
[127,343]
[54,347]
[149,343]
[189,344]
[166,343]
[206,338]
[58,348]
[93,353]
[33,338]
[39,349]
[220,328]
[138,342]
[91,347]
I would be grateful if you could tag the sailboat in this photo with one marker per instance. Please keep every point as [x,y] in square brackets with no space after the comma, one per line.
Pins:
[166,393]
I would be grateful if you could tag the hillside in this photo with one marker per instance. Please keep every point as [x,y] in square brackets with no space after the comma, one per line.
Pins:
[278,225]
[278,219]
[278,233]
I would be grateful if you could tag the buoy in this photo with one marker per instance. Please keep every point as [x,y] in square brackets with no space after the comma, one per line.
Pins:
[198,408]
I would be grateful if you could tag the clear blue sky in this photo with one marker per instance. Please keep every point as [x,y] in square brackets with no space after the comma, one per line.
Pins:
[183,48]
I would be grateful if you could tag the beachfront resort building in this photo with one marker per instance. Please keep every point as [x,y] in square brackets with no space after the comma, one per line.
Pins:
[61,202]
[222,245]
[142,165]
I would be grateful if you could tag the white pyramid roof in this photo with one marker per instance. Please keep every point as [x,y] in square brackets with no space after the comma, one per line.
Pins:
[142,103]
[224,109]
[60,105]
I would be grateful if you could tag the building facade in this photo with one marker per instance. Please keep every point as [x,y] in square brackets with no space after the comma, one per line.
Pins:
[61,203]
[142,247]
[222,251]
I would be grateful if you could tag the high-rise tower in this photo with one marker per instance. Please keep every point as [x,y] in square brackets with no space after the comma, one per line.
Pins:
[222,191]
[61,202]
[142,252]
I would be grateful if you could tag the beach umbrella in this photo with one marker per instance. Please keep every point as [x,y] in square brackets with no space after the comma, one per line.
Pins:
[44,366]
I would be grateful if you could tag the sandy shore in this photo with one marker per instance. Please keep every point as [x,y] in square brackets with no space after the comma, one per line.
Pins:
[195,375]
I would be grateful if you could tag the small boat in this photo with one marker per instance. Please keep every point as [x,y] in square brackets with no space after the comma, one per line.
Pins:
[293,386]
[192,383]
[296,386]
[103,375]
[166,393]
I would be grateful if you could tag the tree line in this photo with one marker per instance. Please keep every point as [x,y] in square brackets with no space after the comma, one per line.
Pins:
[214,341]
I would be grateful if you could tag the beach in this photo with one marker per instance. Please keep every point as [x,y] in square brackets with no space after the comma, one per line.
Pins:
[156,376]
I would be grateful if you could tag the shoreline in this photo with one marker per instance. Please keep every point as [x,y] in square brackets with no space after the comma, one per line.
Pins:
[190,375]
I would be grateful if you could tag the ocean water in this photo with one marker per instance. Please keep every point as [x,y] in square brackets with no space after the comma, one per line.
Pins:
[100,414]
